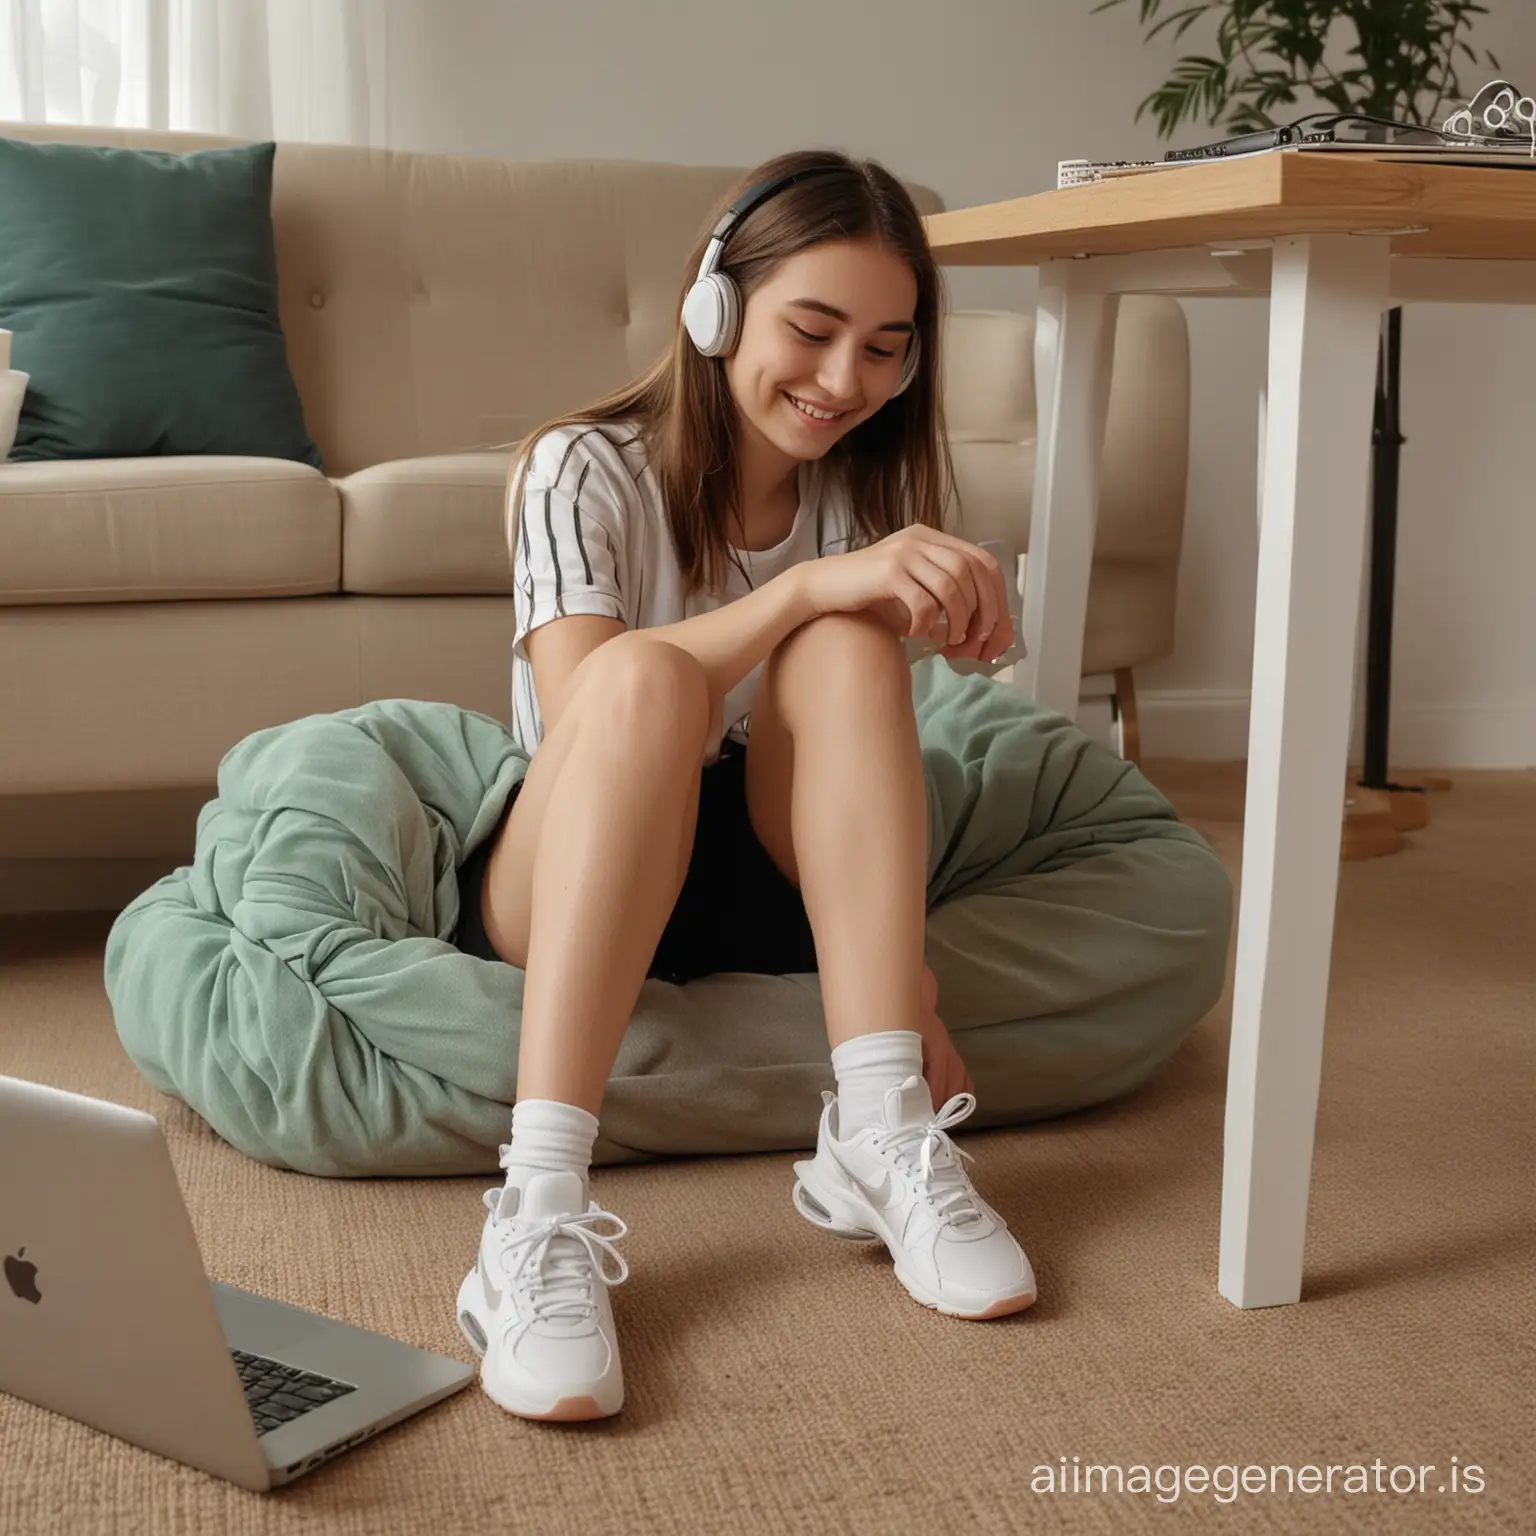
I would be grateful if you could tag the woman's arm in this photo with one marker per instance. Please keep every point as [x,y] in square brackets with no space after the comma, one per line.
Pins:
[911,579]
[730,641]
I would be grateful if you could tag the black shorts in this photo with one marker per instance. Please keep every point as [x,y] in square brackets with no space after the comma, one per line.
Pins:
[735,912]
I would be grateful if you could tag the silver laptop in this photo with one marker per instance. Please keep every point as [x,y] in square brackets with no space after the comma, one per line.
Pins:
[107,1315]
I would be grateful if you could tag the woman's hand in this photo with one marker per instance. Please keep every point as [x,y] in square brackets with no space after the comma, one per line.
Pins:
[923,584]
[942,1065]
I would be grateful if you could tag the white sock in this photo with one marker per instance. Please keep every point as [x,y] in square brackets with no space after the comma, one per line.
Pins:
[549,1137]
[866,1067]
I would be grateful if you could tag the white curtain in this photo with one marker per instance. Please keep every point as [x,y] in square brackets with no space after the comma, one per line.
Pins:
[255,69]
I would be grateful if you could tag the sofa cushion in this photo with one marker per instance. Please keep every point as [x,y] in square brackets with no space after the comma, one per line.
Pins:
[159,529]
[142,290]
[427,526]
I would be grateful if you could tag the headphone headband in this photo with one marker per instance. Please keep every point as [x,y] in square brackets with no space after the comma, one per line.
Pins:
[758,192]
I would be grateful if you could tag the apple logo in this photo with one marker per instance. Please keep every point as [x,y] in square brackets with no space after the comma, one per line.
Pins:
[22,1273]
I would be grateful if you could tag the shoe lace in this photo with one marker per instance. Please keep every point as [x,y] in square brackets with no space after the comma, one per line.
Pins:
[927,1148]
[557,1258]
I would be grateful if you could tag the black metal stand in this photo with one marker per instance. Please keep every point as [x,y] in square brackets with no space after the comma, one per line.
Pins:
[1386,450]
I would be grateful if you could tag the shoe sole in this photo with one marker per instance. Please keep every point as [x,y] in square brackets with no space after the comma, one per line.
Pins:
[579,1408]
[1005,1306]
[829,1214]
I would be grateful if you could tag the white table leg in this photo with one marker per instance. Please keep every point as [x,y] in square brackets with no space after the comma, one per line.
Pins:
[1263,433]
[1074,354]
[1325,307]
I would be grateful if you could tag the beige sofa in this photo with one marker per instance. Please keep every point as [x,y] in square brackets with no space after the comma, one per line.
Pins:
[154,611]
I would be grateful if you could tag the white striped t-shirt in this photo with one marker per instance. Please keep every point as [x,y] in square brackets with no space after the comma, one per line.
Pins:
[593,538]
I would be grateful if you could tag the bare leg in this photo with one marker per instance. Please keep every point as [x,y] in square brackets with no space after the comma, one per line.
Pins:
[836,794]
[840,749]
[593,855]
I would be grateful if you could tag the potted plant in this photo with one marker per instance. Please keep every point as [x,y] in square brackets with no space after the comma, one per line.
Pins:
[1382,58]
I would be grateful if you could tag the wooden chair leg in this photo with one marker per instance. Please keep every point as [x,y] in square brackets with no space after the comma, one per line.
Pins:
[1125,712]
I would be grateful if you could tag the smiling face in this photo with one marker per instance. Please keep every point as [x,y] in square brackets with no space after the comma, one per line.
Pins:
[823,340]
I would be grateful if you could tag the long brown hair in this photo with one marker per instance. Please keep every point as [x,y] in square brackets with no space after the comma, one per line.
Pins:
[895,467]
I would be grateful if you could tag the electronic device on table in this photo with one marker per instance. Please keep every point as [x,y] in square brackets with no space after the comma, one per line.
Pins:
[1496,127]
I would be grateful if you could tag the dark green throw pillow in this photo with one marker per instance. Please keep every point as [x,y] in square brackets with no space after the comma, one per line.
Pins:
[142,290]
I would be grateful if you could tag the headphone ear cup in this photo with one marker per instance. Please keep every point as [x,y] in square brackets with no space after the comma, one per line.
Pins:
[908,367]
[712,314]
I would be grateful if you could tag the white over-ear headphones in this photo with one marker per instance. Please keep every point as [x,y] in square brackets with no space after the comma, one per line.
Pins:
[712,310]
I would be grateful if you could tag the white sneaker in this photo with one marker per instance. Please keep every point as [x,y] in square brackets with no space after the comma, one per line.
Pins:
[536,1307]
[904,1183]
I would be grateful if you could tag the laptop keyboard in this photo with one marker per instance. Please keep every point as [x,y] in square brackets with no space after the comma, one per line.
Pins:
[277,1394]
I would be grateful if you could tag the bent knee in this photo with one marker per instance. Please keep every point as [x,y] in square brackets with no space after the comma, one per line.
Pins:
[862,633]
[645,686]
[845,647]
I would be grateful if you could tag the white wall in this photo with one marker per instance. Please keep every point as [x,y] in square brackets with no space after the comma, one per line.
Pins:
[979,99]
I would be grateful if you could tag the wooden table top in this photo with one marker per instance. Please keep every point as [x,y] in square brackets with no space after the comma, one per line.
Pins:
[1468,211]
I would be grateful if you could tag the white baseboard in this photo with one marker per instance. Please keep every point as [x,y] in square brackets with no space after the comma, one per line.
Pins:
[1465,735]
[1212,726]
[1202,725]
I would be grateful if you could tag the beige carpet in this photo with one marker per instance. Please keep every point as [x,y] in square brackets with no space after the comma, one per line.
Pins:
[780,1381]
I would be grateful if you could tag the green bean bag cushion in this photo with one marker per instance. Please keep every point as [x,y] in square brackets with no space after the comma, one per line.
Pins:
[295,984]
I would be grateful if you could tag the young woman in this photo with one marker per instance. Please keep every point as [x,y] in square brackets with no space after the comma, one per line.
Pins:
[716,569]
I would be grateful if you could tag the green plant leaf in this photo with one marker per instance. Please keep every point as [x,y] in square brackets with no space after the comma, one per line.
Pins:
[1181,21]
[1401,58]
